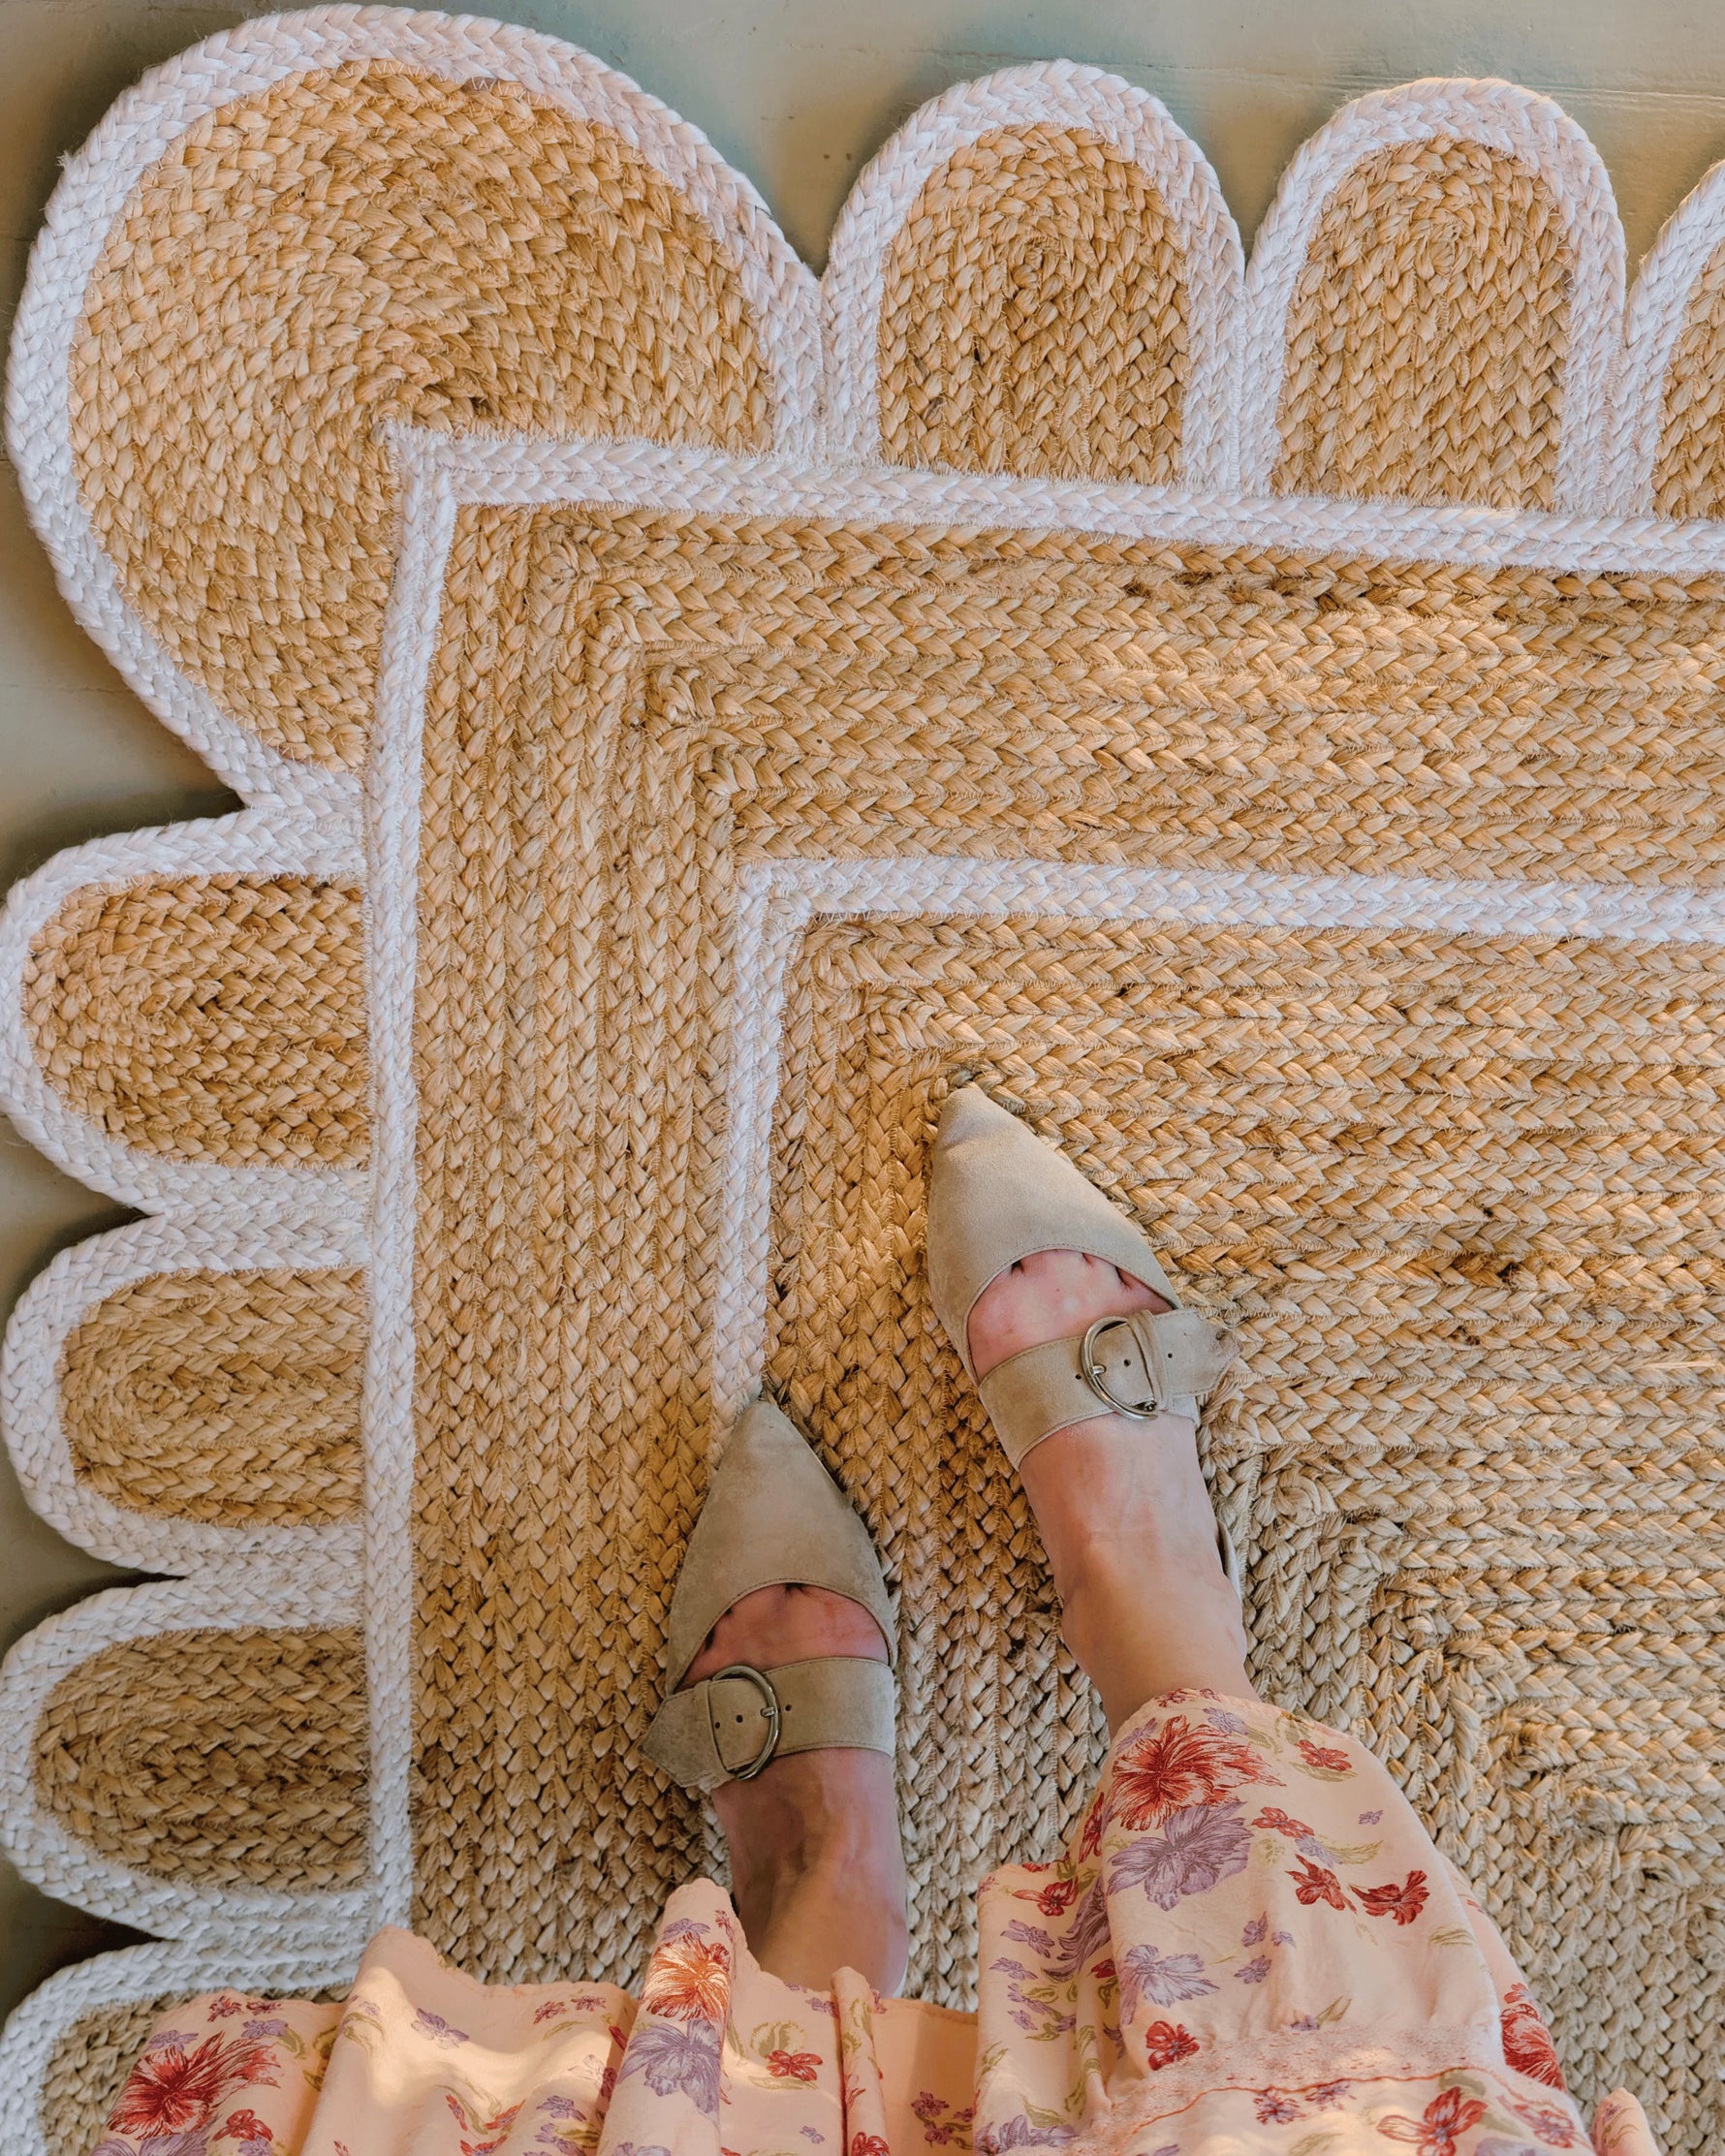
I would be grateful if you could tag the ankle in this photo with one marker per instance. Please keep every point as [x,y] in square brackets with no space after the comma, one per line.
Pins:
[1138,1640]
[817,1867]
[829,1919]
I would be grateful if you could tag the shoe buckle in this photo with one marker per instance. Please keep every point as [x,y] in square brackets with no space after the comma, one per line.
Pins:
[771,1713]
[1096,1378]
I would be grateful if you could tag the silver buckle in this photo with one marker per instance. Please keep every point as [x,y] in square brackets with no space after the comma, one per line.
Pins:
[771,1713]
[1093,1373]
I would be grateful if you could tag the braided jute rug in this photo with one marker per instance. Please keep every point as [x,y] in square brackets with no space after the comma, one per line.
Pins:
[1263,724]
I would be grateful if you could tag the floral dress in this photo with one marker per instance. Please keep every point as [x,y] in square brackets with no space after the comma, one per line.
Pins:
[1251,1949]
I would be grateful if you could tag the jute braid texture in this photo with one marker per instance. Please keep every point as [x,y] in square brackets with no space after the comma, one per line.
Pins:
[473,257]
[1263,725]
[1034,316]
[1427,334]
[226,1398]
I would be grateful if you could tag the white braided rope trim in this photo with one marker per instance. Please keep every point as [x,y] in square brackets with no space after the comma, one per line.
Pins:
[410,644]
[280,1596]
[241,1199]
[777,899]
[127,1978]
[534,469]
[1520,124]
[1060,94]
[141,125]
[1657,309]
[53,1305]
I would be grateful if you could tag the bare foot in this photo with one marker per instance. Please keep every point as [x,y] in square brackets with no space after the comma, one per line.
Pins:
[816,1866]
[1123,1505]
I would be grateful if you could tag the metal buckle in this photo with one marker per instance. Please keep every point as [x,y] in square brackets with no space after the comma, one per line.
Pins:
[1093,1374]
[771,1714]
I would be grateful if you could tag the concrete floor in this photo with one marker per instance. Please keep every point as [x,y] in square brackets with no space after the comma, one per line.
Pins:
[798,94]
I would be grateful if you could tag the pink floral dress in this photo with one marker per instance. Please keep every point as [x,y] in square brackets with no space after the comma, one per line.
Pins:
[1251,1949]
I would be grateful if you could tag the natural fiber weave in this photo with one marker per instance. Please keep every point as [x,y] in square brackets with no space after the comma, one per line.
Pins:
[1034,317]
[216,1017]
[1427,336]
[1153,689]
[225,1756]
[494,262]
[229,1398]
[1455,1189]
[1689,476]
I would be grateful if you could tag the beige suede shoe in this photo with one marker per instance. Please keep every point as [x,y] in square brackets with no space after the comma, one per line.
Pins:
[998,1193]
[773,1516]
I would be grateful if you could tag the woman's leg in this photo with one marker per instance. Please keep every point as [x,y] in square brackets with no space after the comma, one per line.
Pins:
[1123,1506]
[817,1872]
[816,1867]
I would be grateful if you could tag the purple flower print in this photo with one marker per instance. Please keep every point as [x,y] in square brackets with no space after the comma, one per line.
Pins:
[678,2055]
[559,2107]
[1281,1938]
[1275,2106]
[1018,2133]
[1229,1724]
[1369,1819]
[1197,1849]
[812,2134]
[1254,1972]
[265,2028]
[1254,1934]
[1084,1937]
[1162,1979]
[440,2031]
[1326,2093]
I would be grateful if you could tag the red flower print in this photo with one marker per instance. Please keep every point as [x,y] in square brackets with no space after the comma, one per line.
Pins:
[794,2066]
[550,2009]
[1277,1820]
[1313,1884]
[1057,1897]
[172,2089]
[246,2126]
[689,1981]
[1090,1838]
[1437,2130]
[1177,1766]
[1403,1903]
[1324,1757]
[1168,2041]
[494,2132]
[1275,2106]
[1526,2040]
[869,2144]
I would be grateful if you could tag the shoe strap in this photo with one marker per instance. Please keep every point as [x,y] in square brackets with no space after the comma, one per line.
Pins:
[725,1728]
[1160,1362]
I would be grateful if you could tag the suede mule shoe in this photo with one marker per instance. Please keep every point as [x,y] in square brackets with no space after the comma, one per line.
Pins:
[773,1516]
[998,1193]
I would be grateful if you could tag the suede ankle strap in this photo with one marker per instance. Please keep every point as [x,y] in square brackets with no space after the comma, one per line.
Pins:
[1162,1363]
[727,1728]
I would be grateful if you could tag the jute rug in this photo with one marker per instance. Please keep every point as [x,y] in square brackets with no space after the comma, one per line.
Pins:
[1263,724]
